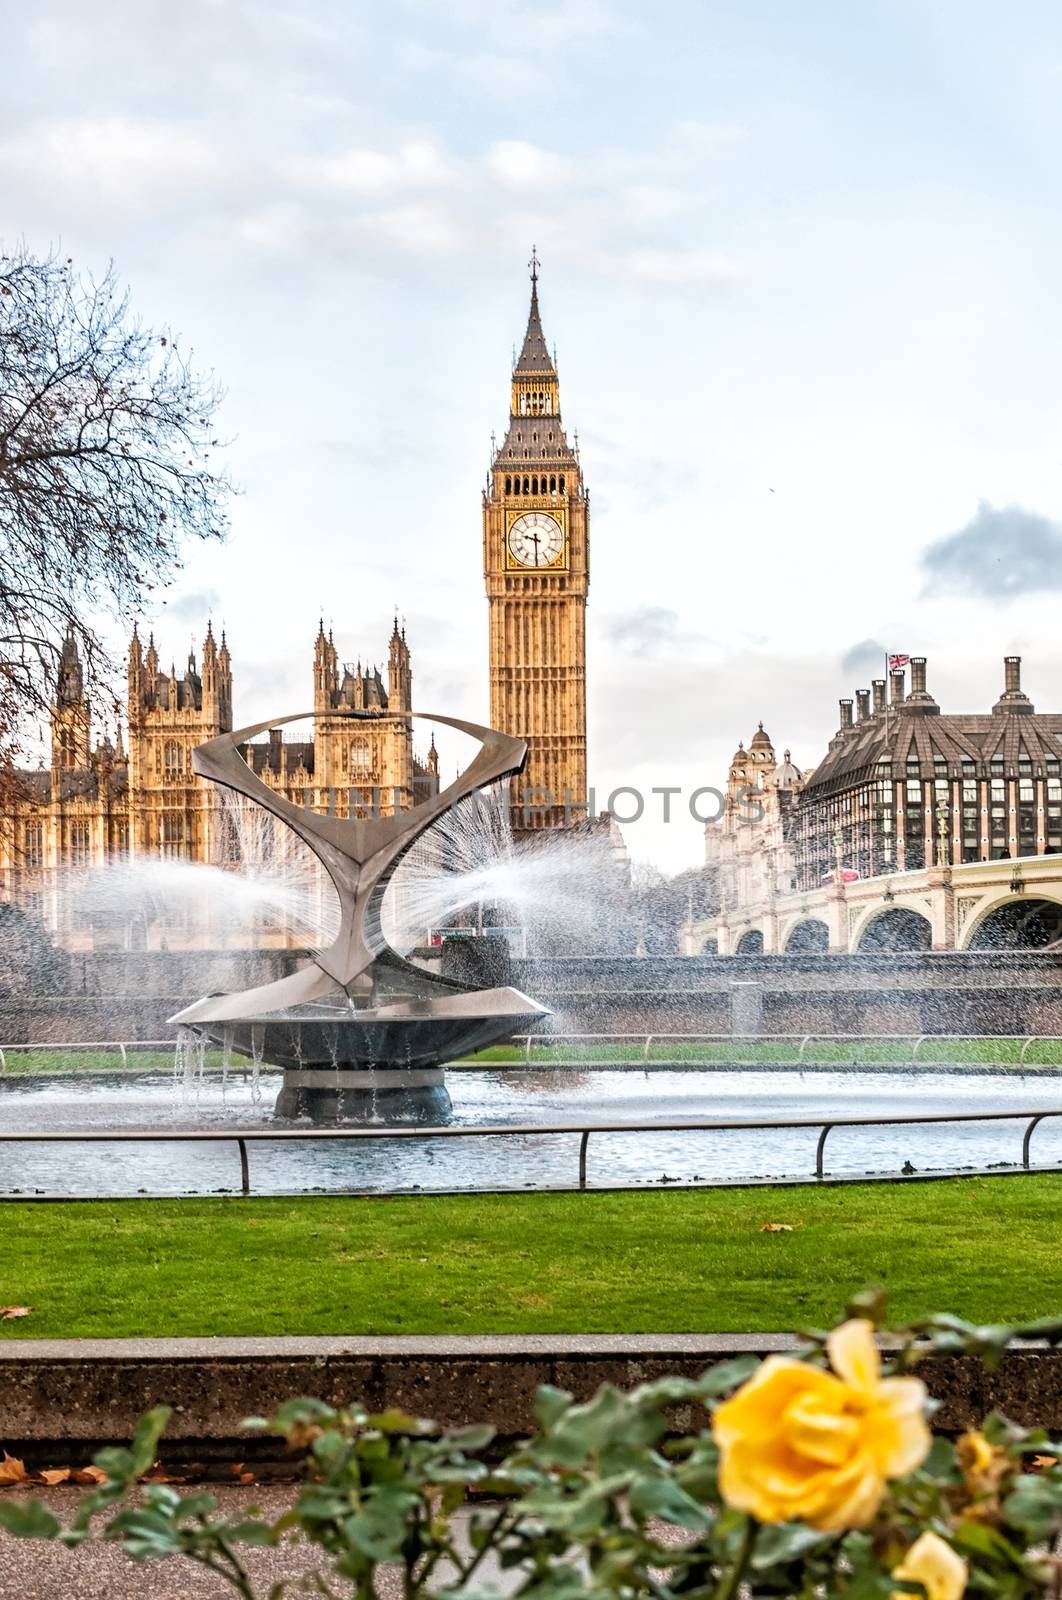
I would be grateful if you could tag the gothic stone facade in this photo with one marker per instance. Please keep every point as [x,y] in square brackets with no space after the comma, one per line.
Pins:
[138,797]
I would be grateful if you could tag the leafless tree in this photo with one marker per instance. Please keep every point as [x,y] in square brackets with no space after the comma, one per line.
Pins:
[106,433]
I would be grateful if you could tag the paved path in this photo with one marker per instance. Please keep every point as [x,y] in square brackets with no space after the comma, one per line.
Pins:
[35,1569]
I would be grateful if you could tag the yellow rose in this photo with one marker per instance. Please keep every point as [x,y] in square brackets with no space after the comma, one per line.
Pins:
[983,1467]
[798,1443]
[936,1566]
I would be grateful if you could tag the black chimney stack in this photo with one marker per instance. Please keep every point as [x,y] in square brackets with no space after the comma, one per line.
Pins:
[1012,699]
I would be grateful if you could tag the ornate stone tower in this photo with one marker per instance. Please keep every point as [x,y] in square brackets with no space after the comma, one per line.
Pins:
[172,813]
[368,763]
[71,712]
[536,562]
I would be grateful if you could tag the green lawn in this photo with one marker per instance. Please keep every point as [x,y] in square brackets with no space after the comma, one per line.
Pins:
[980,1052]
[680,1261]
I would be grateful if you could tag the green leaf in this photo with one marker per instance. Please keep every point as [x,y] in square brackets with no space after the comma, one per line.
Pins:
[870,1303]
[1035,1506]
[585,1428]
[300,1412]
[476,1437]
[394,1420]
[379,1530]
[117,1463]
[28,1519]
[146,1435]
[785,1542]
[250,1532]
[727,1375]
[666,1392]
[145,1534]
[664,1498]
[550,1403]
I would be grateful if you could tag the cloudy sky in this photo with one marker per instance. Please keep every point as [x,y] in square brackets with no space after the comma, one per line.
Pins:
[801,264]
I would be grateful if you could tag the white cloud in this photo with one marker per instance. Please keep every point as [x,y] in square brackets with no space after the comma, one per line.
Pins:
[704,269]
[415,164]
[492,72]
[385,203]
[516,164]
[418,229]
[551,26]
[112,161]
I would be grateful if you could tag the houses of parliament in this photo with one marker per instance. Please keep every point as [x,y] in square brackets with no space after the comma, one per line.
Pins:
[134,796]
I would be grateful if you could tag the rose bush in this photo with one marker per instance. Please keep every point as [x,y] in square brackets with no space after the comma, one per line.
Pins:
[814,1476]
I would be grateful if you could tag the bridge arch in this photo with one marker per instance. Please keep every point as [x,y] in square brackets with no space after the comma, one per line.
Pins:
[1016,922]
[898,928]
[750,943]
[808,937]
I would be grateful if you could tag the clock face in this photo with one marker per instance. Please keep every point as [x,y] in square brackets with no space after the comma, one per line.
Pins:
[536,539]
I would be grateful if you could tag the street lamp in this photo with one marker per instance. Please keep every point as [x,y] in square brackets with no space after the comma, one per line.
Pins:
[942,833]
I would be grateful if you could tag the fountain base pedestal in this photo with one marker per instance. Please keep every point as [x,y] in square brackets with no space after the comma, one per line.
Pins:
[399,1095]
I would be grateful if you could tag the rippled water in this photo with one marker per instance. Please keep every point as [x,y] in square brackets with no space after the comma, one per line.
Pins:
[110,1101]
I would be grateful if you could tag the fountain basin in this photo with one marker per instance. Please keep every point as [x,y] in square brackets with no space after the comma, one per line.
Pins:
[370,1063]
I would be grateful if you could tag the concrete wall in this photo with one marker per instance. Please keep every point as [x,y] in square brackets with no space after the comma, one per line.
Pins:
[118,995]
[61,1399]
[920,992]
[176,972]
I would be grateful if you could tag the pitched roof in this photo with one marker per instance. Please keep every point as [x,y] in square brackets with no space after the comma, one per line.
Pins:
[901,738]
[535,356]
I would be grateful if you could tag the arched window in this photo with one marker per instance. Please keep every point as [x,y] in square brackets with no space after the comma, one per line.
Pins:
[509,485]
[560,483]
[172,759]
[360,754]
[33,845]
[172,833]
[553,483]
[534,485]
[79,844]
[527,485]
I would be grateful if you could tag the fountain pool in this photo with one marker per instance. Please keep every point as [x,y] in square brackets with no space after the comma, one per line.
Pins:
[245,1102]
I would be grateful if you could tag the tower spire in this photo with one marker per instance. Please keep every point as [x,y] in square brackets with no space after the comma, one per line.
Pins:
[534,355]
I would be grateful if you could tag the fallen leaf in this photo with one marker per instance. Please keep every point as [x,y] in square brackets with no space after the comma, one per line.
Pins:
[8,1313]
[53,1475]
[12,1470]
[89,1475]
[776,1227]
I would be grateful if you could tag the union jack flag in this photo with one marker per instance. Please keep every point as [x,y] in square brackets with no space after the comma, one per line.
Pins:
[896,662]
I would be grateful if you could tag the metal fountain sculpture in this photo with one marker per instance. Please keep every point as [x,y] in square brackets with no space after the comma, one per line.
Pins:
[358,1029]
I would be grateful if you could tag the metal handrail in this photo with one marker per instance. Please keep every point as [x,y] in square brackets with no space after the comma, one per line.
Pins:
[524,1130]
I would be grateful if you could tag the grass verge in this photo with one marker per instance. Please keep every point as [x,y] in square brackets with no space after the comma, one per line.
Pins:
[680,1261]
[974,1052]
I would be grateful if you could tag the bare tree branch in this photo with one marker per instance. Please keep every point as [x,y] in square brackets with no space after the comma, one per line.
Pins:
[106,440]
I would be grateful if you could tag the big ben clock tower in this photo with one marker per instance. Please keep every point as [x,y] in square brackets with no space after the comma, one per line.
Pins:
[536,563]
